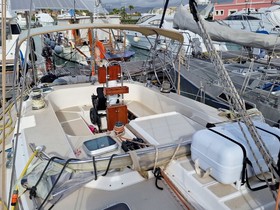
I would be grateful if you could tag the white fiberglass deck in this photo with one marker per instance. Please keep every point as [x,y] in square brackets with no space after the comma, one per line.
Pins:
[62,126]
[212,195]
[165,128]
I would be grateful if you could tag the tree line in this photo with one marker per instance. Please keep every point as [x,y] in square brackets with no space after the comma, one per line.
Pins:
[123,13]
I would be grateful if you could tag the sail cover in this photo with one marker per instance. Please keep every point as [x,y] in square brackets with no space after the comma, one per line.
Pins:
[183,20]
[272,14]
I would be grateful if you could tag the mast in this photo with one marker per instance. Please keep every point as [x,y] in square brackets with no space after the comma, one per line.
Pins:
[3,39]
[163,14]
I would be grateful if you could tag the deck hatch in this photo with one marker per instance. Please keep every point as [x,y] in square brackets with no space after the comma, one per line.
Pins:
[99,145]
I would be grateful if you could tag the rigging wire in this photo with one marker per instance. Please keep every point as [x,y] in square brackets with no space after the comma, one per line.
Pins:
[56,181]
[15,142]
[3,39]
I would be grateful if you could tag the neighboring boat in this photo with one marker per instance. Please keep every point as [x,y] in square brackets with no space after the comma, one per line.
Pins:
[107,145]
[256,85]
[21,20]
[41,19]
[249,79]
[183,20]
[148,20]
[224,9]
[99,15]
[264,20]
[82,51]
[13,30]
[193,42]
[12,33]
[76,44]
[44,19]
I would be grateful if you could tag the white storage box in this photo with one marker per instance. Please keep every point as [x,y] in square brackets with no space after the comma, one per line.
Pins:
[224,157]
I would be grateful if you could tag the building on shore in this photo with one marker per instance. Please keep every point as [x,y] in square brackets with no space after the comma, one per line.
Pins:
[222,10]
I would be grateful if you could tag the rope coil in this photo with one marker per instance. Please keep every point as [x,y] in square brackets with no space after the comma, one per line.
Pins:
[119,129]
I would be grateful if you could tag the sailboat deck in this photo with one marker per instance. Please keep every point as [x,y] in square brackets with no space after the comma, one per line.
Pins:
[63,128]
[221,196]
[139,110]
[133,190]
[142,195]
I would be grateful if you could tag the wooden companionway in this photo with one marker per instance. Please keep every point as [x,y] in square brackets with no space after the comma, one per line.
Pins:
[116,111]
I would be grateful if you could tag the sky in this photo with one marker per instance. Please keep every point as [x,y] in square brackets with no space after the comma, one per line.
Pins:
[139,3]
